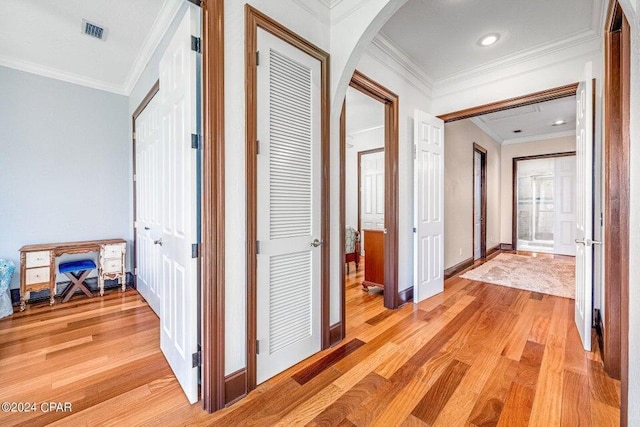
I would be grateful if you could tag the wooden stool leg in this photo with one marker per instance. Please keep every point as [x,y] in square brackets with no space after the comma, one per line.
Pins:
[77,282]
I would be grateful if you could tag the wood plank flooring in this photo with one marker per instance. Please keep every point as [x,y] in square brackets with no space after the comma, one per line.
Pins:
[475,355]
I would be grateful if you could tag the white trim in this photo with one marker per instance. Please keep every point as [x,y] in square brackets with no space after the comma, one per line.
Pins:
[65,76]
[158,30]
[533,138]
[577,39]
[486,129]
[358,132]
[317,8]
[391,49]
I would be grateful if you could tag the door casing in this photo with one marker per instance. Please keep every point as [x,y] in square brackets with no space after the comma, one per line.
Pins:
[255,19]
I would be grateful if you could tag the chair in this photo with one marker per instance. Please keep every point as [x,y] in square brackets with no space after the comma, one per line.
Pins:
[351,247]
[6,272]
[77,272]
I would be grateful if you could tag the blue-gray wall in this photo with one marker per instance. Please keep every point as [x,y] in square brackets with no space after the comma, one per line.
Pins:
[64,163]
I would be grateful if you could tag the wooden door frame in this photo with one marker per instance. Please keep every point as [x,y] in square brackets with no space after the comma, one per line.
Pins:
[617,59]
[514,192]
[477,148]
[143,104]
[212,259]
[255,20]
[369,87]
[360,154]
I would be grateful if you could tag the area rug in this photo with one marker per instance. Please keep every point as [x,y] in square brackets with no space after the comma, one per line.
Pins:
[554,276]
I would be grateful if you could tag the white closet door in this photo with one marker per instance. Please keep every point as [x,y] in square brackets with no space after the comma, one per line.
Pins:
[179,205]
[477,205]
[564,215]
[429,206]
[289,206]
[584,208]
[372,191]
[148,165]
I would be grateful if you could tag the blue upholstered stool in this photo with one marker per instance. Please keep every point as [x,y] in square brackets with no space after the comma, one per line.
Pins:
[77,272]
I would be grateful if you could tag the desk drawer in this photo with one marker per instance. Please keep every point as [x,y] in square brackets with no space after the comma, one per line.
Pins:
[112,266]
[37,275]
[37,259]
[112,251]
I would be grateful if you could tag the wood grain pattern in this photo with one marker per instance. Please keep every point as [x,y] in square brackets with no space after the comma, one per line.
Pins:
[428,364]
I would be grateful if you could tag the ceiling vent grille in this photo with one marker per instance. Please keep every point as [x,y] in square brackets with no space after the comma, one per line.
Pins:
[94,30]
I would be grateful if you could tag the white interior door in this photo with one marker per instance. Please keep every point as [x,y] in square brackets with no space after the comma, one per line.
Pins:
[372,191]
[179,68]
[289,206]
[429,205]
[584,206]
[477,205]
[148,186]
[564,215]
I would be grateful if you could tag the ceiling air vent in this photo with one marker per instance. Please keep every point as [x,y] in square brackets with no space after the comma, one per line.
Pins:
[94,30]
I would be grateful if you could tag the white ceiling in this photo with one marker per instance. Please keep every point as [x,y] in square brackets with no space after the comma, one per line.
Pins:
[44,36]
[535,121]
[363,112]
[441,36]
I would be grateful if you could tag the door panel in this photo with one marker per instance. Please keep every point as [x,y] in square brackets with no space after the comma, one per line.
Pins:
[289,206]
[477,205]
[179,111]
[429,206]
[584,208]
[147,203]
[372,193]
[565,206]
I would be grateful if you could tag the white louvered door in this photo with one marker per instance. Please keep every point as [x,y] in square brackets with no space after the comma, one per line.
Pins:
[429,206]
[288,211]
[148,164]
[179,204]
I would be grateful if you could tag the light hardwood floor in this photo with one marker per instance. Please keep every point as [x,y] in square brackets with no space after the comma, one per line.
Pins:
[476,355]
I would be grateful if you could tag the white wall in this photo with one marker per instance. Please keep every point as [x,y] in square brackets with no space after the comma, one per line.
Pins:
[459,137]
[299,20]
[361,142]
[62,164]
[548,146]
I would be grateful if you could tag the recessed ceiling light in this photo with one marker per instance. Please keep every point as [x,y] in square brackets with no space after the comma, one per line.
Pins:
[489,39]
[559,123]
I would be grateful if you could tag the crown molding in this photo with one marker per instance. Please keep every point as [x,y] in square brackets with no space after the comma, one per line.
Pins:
[158,30]
[319,9]
[580,38]
[361,131]
[64,76]
[544,137]
[395,59]
[486,129]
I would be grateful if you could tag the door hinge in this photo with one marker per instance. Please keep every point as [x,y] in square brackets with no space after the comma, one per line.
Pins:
[195,250]
[257,58]
[415,152]
[196,141]
[135,271]
[196,44]
[257,247]
[134,136]
[414,229]
[196,359]
[135,177]
[257,346]
[135,224]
